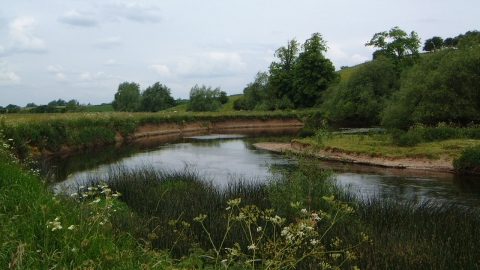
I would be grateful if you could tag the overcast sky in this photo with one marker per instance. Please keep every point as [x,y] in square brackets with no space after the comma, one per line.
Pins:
[83,49]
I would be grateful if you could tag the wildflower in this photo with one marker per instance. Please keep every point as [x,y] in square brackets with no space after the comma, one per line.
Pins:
[75,194]
[234,202]
[259,229]
[55,225]
[228,208]
[313,242]
[95,201]
[304,211]
[316,217]
[71,227]
[285,231]
[200,218]
[252,246]
[74,250]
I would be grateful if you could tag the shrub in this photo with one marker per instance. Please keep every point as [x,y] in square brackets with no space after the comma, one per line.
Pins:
[469,161]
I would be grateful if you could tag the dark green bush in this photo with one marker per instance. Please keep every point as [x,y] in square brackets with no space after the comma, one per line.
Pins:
[407,139]
[469,161]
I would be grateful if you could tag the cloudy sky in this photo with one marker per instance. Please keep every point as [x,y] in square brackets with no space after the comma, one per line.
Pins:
[83,49]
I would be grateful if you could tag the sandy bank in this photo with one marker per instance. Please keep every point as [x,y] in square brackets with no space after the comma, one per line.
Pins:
[439,165]
[148,130]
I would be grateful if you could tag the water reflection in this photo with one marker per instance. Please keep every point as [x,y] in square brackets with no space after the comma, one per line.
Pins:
[231,155]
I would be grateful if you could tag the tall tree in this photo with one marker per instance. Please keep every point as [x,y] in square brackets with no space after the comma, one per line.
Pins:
[156,98]
[281,73]
[313,73]
[127,98]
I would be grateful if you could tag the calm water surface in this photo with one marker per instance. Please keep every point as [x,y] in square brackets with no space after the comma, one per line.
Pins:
[223,157]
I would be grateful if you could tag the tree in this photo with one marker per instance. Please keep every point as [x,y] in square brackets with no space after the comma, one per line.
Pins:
[313,73]
[469,39]
[11,108]
[204,99]
[59,102]
[396,42]
[156,98]
[223,98]
[362,97]
[433,44]
[444,87]
[281,73]
[71,105]
[31,105]
[255,93]
[127,97]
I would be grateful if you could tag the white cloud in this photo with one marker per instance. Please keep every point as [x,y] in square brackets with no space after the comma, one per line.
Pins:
[79,18]
[134,12]
[22,39]
[61,76]
[7,76]
[86,76]
[216,64]
[359,58]
[162,70]
[112,62]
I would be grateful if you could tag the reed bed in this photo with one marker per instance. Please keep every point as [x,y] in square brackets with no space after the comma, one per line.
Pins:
[402,235]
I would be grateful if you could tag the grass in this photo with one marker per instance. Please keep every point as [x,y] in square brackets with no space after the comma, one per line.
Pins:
[381,145]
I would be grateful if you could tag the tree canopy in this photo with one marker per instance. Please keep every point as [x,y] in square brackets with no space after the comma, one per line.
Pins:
[204,99]
[127,98]
[395,42]
[156,98]
[360,99]
[313,73]
[444,87]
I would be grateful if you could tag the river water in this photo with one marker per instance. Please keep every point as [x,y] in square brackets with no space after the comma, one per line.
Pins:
[228,155]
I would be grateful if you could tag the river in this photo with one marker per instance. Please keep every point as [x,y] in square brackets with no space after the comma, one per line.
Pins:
[228,155]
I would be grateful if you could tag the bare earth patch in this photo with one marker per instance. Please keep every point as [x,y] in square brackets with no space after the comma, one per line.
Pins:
[442,164]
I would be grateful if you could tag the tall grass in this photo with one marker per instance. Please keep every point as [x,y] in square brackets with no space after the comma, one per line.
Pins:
[403,235]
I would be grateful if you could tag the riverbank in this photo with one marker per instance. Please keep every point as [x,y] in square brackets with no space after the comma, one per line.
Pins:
[156,129]
[442,164]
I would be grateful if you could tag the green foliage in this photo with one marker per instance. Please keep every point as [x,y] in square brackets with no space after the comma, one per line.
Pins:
[127,98]
[204,99]
[362,97]
[282,73]
[258,96]
[397,45]
[433,44]
[443,87]
[395,42]
[469,161]
[156,98]
[313,73]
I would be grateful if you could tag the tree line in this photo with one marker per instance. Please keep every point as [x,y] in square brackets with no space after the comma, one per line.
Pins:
[54,106]
[158,97]
[396,89]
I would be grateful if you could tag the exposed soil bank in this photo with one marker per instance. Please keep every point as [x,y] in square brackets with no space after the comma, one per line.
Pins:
[438,165]
[147,130]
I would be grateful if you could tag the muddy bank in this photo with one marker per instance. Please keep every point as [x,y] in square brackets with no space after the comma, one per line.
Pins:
[149,129]
[439,165]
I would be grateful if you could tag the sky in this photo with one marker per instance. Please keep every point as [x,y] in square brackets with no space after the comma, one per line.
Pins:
[83,49]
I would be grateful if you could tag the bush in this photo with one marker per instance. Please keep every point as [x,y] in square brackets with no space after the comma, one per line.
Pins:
[469,161]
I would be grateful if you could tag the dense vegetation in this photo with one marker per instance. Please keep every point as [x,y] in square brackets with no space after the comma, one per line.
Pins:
[296,81]
[155,98]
